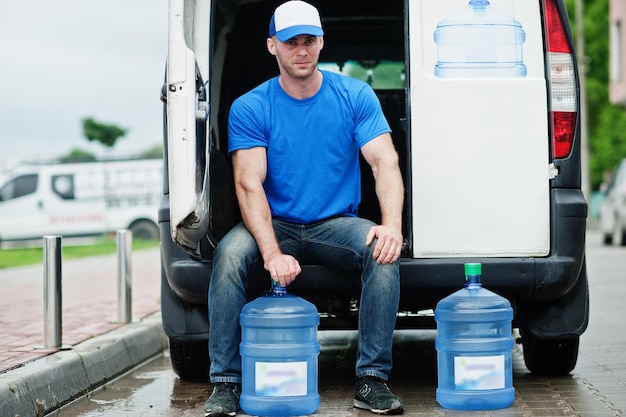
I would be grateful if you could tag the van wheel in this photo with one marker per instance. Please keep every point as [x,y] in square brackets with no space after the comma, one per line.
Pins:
[144,230]
[550,357]
[190,360]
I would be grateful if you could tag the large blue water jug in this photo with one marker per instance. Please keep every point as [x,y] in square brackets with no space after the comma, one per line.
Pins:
[474,347]
[480,41]
[279,351]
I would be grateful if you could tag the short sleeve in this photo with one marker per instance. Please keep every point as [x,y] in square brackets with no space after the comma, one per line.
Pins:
[246,123]
[370,122]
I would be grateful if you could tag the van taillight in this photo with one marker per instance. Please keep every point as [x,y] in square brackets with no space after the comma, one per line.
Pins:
[562,82]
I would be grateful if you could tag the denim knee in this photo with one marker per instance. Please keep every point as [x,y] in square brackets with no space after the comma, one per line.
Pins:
[236,253]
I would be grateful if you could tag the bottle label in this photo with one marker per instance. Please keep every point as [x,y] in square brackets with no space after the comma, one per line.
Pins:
[280,379]
[479,372]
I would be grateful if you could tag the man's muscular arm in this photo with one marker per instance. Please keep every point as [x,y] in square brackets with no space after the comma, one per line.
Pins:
[250,169]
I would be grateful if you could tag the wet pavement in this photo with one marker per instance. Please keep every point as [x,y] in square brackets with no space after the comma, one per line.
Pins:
[596,388]
[154,390]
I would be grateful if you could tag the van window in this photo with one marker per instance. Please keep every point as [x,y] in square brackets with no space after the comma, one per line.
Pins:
[19,187]
[63,186]
[383,75]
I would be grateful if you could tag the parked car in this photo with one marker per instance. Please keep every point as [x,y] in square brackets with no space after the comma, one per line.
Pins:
[613,208]
[489,147]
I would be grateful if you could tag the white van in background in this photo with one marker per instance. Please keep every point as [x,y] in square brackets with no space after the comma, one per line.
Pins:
[81,199]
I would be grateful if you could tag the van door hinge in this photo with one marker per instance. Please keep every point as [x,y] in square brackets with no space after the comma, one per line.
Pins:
[554,171]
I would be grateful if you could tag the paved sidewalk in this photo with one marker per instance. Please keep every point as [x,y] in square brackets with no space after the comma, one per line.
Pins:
[89,303]
[95,346]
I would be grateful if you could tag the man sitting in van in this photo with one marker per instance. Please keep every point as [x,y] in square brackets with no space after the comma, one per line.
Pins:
[294,142]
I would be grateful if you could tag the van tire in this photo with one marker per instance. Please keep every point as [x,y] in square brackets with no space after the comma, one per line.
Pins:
[144,230]
[550,357]
[190,359]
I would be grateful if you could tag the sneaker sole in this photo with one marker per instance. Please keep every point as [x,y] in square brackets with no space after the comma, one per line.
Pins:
[219,414]
[389,411]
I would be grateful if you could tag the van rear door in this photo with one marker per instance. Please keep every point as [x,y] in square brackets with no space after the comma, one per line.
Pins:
[187,110]
[479,140]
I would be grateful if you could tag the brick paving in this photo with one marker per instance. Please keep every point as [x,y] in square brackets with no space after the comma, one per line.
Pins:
[89,303]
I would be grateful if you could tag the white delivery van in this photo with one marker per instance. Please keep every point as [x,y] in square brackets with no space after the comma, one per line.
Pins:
[81,199]
[483,100]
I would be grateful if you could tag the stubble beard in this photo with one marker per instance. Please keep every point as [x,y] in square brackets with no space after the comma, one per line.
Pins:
[293,71]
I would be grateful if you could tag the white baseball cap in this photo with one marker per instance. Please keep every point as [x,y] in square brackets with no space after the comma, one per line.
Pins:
[295,18]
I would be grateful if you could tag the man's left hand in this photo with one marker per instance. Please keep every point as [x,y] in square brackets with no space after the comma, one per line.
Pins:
[388,245]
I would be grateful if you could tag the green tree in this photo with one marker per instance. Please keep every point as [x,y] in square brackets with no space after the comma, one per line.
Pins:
[153,153]
[606,123]
[78,155]
[106,134]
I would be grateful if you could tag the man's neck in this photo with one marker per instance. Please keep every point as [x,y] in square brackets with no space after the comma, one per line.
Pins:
[301,88]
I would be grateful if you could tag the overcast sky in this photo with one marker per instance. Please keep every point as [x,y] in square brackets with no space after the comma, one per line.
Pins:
[64,60]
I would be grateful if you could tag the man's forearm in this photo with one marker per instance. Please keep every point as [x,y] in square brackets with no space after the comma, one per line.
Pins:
[390,192]
[257,217]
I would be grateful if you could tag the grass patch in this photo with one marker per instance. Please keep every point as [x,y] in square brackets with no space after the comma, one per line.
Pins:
[29,256]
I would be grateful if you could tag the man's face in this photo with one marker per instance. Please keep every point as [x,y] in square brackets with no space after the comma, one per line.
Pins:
[298,56]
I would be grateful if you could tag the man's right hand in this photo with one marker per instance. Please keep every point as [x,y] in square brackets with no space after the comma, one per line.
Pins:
[283,268]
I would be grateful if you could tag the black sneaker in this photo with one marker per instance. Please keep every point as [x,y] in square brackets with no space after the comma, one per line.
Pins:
[224,401]
[371,393]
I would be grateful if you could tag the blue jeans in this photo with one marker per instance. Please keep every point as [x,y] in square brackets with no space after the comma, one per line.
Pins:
[338,242]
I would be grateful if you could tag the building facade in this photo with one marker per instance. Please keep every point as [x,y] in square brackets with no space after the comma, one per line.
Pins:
[617,36]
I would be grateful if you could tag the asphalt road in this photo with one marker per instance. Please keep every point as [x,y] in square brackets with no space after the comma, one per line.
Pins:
[597,387]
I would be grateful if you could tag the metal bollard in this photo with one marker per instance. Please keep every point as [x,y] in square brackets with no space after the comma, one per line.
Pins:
[52,291]
[124,275]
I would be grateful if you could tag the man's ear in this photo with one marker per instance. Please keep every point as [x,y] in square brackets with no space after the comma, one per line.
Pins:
[271,46]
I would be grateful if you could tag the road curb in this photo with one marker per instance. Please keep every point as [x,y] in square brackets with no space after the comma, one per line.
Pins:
[46,384]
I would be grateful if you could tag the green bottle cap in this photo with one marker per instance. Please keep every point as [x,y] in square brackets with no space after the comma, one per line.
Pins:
[473,269]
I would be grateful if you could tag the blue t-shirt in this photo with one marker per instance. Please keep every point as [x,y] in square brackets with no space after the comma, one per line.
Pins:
[312,144]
